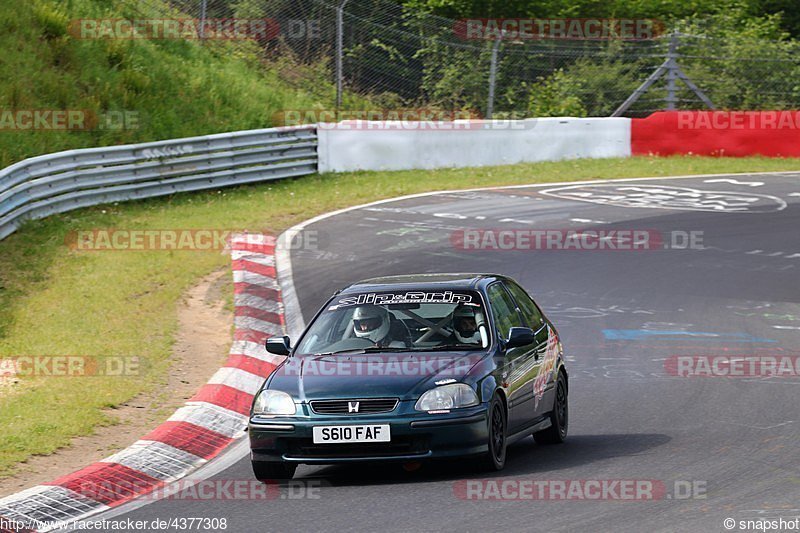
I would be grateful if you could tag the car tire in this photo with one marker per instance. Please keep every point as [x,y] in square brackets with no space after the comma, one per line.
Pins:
[559,417]
[497,420]
[269,471]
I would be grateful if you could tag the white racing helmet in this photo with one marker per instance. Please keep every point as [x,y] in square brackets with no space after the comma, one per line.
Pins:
[371,322]
[466,323]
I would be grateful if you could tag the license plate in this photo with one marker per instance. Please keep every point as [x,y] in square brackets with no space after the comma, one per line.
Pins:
[343,434]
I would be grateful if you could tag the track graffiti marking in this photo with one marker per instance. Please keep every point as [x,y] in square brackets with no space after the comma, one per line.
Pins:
[669,197]
[736,182]
[597,312]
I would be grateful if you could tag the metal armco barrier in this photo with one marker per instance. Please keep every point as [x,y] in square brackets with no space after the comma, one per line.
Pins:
[54,183]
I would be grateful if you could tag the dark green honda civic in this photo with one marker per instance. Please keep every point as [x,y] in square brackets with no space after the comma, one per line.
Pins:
[408,368]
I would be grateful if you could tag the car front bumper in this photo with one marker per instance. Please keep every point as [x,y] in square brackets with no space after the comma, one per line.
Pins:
[414,436]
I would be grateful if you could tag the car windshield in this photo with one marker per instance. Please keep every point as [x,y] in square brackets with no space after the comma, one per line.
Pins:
[399,321]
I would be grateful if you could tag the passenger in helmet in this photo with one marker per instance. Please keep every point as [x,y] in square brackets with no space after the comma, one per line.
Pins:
[373,322]
[465,325]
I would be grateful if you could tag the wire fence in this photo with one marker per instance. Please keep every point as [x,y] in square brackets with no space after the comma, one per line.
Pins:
[379,54]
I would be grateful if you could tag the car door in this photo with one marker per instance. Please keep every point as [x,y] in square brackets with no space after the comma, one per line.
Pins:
[536,321]
[532,316]
[518,364]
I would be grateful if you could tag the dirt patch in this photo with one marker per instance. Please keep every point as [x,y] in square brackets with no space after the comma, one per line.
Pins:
[9,383]
[202,344]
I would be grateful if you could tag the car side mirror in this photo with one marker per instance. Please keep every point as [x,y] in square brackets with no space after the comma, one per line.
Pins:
[279,345]
[520,337]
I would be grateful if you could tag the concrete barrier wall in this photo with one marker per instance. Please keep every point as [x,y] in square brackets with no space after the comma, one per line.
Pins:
[361,145]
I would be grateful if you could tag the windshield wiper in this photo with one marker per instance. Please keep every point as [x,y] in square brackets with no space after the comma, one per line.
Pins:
[447,347]
[370,349]
[383,349]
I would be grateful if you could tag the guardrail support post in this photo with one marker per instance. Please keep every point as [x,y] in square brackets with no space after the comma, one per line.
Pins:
[492,77]
[672,71]
[339,51]
[203,19]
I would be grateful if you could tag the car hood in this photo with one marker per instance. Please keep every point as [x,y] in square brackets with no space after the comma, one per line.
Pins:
[402,375]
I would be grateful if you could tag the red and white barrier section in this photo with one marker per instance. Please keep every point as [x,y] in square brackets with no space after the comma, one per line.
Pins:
[717,133]
[209,422]
[353,145]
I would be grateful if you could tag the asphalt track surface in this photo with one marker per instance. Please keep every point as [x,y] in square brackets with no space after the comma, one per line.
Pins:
[621,315]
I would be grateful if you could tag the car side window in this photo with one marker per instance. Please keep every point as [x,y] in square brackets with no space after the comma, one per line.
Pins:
[504,310]
[529,310]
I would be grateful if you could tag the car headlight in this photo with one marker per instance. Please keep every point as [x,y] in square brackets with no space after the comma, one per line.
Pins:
[273,402]
[447,397]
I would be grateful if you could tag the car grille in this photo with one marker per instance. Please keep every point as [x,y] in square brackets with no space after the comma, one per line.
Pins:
[365,406]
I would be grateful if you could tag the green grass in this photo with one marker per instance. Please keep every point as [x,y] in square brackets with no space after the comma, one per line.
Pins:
[58,301]
[175,88]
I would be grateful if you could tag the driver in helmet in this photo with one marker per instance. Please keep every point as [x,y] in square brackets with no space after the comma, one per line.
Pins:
[465,325]
[373,322]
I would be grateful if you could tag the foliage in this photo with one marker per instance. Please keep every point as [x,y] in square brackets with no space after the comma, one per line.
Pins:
[173,88]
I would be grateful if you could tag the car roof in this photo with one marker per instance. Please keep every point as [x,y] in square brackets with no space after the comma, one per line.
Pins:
[439,281]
